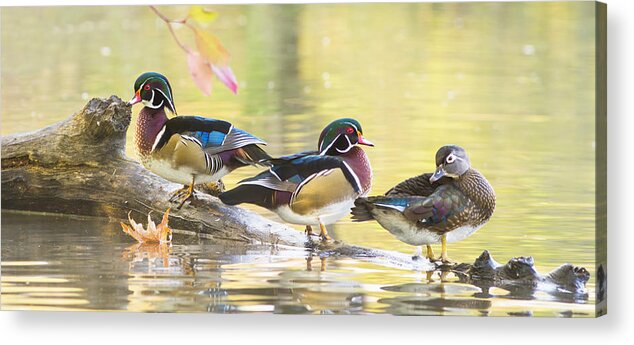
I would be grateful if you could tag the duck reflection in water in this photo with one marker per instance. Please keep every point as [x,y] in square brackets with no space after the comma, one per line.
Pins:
[443,275]
[323,263]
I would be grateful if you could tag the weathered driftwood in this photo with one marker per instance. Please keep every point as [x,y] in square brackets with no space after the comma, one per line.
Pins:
[78,166]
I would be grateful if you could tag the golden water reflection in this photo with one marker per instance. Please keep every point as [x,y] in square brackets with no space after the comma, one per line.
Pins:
[94,266]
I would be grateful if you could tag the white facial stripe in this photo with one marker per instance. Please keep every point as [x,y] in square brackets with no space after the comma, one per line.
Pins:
[323,152]
[170,96]
[141,87]
[167,98]
[150,103]
[348,148]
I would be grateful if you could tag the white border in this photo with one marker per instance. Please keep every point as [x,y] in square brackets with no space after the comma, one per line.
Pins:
[616,328]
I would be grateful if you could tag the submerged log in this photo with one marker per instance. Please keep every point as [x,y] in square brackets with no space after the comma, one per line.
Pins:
[78,166]
[522,280]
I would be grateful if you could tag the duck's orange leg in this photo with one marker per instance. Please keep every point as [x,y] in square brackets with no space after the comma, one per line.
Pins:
[443,253]
[324,233]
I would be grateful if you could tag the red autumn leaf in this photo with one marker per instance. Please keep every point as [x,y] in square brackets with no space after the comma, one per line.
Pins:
[226,76]
[217,56]
[200,71]
[212,57]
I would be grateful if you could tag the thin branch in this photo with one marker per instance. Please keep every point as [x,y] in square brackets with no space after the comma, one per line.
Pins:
[169,22]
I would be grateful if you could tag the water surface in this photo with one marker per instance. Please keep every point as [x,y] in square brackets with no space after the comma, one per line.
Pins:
[69,263]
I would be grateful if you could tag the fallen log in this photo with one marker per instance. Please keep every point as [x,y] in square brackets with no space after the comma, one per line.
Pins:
[79,166]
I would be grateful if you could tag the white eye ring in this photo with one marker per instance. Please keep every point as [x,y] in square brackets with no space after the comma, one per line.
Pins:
[451,158]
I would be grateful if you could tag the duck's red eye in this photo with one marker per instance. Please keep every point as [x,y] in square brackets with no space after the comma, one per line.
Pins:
[146,87]
[349,130]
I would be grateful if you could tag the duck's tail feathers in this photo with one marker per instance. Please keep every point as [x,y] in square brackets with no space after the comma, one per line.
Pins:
[251,194]
[252,155]
[361,211]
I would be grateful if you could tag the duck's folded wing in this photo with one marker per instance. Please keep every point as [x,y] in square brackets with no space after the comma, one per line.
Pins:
[364,207]
[287,159]
[271,181]
[295,172]
[212,135]
[446,205]
[236,138]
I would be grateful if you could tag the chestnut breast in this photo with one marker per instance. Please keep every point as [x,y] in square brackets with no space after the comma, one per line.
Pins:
[360,164]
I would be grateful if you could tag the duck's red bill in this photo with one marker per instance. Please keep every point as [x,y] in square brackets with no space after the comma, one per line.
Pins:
[136,99]
[364,141]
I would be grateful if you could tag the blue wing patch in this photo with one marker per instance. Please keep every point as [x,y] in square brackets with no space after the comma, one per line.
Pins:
[207,132]
[208,139]
[216,138]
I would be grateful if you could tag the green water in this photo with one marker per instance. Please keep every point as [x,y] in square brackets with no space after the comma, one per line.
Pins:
[512,83]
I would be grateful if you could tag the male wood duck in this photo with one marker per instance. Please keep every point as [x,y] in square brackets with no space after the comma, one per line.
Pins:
[187,149]
[446,206]
[315,187]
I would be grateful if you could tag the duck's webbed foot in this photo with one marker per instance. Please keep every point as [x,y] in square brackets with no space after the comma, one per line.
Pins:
[178,194]
[447,261]
[212,188]
[182,195]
